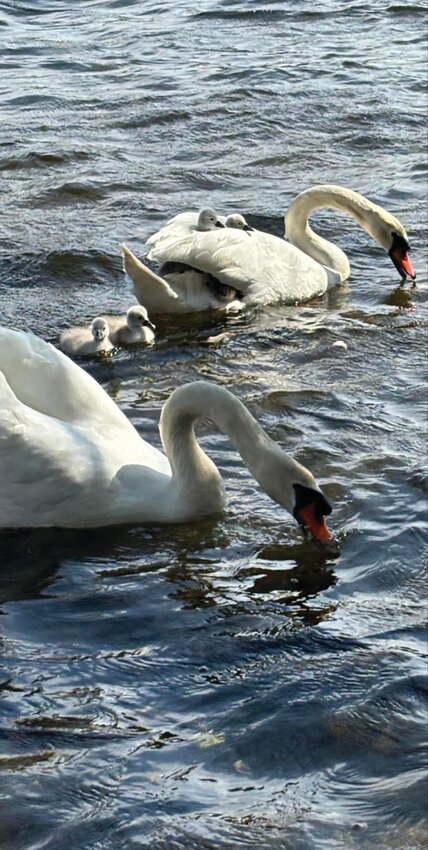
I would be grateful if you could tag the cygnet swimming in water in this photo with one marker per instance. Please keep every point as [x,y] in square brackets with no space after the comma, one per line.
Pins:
[134,327]
[238,221]
[87,340]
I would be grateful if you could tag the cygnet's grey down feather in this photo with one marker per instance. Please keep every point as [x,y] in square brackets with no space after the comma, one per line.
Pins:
[134,327]
[87,340]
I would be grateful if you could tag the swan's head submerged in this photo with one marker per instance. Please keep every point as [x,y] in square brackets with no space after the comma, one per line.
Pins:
[99,329]
[137,318]
[209,220]
[237,221]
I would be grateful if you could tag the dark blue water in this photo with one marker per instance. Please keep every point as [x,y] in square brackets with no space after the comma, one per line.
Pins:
[223,684]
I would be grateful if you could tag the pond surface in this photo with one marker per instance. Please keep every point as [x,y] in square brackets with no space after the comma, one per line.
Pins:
[223,684]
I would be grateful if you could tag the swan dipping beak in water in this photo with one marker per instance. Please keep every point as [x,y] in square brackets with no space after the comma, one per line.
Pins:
[399,253]
[70,458]
[263,269]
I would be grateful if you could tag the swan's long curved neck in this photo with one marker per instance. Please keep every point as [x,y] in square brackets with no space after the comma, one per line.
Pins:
[301,234]
[196,486]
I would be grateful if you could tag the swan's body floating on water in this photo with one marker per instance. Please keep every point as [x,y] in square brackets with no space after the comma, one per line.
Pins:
[263,269]
[89,340]
[134,327]
[70,458]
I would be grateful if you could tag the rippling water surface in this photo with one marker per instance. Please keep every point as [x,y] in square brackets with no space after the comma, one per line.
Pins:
[223,684]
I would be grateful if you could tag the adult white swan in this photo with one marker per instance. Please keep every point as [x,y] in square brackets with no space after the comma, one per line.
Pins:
[70,458]
[262,269]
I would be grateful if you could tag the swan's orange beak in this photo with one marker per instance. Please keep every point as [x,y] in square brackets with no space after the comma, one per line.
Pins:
[402,263]
[317,527]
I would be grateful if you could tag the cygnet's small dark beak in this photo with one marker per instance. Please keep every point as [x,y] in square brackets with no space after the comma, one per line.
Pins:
[148,324]
[247,227]
[219,224]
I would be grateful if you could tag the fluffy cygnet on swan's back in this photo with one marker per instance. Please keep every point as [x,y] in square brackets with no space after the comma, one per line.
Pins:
[238,221]
[185,223]
[134,327]
[208,219]
[87,340]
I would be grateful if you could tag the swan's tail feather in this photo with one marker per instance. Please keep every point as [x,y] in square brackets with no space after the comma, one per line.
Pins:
[151,290]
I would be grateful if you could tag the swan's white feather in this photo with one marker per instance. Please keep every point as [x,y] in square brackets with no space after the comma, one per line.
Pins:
[152,291]
[181,293]
[62,440]
[263,267]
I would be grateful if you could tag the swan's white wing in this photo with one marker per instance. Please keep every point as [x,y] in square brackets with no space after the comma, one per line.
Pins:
[55,473]
[46,380]
[264,268]
[63,442]
[151,290]
[187,292]
[193,294]
[44,464]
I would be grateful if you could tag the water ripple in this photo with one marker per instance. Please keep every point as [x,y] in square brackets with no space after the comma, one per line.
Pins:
[225,683]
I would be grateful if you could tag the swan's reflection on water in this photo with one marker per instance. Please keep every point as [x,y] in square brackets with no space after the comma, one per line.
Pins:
[309,572]
[187,556]
[401,297]
[255,579]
